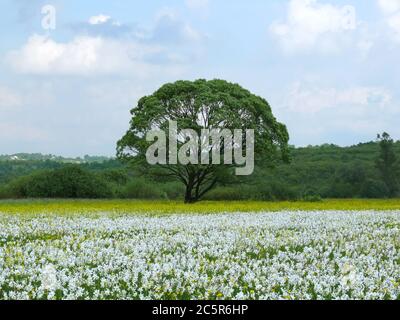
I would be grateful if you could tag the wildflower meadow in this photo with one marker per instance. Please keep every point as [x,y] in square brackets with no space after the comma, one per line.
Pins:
[225,255]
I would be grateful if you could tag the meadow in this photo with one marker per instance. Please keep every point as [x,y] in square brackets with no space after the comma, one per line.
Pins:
[86,249]
[204,207]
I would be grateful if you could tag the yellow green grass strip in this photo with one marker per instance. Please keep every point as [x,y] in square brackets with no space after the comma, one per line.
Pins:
[168,207]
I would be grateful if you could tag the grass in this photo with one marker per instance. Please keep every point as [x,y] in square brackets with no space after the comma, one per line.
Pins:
[168,207]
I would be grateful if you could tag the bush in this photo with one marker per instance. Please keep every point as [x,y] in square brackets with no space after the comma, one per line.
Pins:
[141,189]
[115,176]
[276,191]
[174,190]
[311,195]
[374,189]
[17,188]
[342,190]
[312,198]
[265,193]
[5,192]
[67,182]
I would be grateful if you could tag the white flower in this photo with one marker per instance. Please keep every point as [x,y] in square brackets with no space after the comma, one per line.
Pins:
[49,278]
[284,255]
[347,268]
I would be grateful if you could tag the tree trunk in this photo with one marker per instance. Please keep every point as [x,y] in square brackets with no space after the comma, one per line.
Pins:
[188,195]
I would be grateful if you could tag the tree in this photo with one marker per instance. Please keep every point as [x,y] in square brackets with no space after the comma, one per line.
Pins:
[70,181]
[374,189]
[198,105]
[387,163]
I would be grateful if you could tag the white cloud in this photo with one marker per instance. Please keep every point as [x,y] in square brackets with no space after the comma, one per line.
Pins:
[109,47]
[84,55]
[316,114]
[8,98]
[100,19]
[170,28]
[353,100]
[310,23]
[391,12]
[394,23]
[389,6]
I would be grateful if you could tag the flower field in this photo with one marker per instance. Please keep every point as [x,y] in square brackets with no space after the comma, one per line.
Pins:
[253,255]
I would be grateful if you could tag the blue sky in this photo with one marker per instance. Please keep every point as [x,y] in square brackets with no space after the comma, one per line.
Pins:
[330,69]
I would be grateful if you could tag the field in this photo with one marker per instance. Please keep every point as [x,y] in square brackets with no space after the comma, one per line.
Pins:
[171,207]
[211,250]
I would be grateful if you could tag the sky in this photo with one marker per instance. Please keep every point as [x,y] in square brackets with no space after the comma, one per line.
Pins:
[71,70]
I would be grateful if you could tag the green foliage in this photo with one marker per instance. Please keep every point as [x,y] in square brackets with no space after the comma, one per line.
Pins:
[142,189]
[311,195]
[276,190]
[10,170]
[374,189]
[312,198]
[173,190]
[326,171]
[68,182]
[198,105]
[388,164]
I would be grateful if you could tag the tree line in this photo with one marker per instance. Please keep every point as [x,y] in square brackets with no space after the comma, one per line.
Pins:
[366,170]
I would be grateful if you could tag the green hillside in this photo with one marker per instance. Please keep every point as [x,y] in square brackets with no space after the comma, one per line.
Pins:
[326,171]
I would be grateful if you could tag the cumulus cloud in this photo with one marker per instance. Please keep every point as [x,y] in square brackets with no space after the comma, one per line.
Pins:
[102,45]
[389,6]
[391,11]
[170,28]
[103,26]
[310,24]
[83,55]
[100,19]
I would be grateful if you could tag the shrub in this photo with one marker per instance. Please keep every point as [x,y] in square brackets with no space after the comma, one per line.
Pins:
[67,182]
[312,198]
[141,189]
[374,189]
[277,191]
[311,195]
[342,190]
[173,190]
[116,176]
[265,193]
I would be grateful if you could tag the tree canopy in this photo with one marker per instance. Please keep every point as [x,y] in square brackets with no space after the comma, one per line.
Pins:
[387,163]
[197,105]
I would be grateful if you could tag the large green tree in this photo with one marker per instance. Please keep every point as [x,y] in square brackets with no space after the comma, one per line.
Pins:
[215,104]
[388,164]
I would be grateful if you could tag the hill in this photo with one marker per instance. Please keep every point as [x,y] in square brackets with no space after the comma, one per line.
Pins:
[326,171]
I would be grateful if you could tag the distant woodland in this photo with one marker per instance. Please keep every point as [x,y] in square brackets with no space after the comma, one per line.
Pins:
[366,170]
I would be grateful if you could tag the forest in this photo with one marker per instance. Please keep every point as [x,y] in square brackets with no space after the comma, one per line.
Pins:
[366,170]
